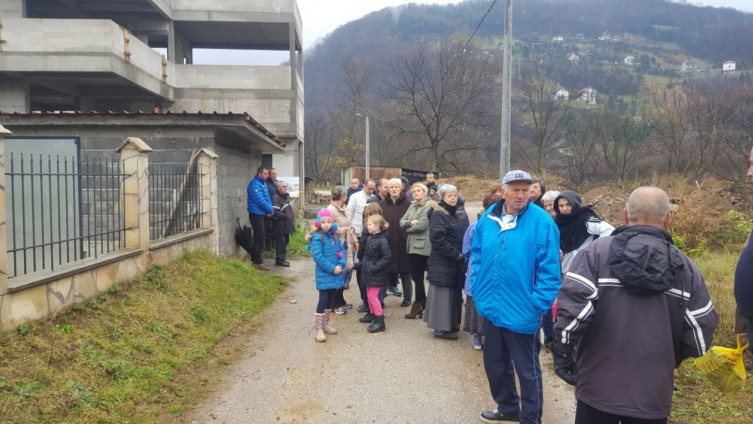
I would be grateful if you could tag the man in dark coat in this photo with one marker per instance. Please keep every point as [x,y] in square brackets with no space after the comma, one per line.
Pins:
[283,222]
[355,187]
[622,326]
[269,233]
[381,192]
[744,275]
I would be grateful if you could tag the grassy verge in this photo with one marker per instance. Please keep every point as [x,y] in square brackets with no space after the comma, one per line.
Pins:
[696,401]
[140,354]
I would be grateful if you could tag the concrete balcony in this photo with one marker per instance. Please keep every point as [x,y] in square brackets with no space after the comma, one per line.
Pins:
[83,58]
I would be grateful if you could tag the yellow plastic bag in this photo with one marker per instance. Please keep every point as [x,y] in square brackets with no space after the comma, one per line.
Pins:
[724,367]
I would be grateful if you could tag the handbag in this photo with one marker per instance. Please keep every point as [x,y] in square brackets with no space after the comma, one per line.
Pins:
[724,367]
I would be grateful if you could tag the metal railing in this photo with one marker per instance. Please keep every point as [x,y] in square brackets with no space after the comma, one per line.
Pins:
[174,198]
[61,209]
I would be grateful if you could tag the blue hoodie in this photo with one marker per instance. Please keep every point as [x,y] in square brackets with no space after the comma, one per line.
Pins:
[516,271]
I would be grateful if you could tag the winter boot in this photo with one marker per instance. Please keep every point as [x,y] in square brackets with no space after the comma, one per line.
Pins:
[377,325]
[416,311]
[366,319]
[327,329]
[319,327]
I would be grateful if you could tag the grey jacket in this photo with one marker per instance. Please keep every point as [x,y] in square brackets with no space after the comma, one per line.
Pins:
[418,233]
[634,306]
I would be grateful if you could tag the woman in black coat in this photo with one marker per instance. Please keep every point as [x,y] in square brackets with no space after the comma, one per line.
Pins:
[446,265]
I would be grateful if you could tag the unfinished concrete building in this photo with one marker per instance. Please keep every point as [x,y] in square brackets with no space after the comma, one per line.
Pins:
[93,72]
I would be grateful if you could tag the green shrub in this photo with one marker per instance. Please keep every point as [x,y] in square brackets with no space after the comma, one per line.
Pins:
[735,228]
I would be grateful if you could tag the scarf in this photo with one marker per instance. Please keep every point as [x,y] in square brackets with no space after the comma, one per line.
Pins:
[573,228]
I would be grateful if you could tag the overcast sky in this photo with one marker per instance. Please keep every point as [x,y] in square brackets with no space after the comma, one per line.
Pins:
[321,17]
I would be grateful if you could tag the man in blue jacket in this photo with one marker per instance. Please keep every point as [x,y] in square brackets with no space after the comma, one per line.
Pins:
[259,206]
[516,276]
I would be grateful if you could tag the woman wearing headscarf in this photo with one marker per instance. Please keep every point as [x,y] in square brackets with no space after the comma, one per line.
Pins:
[446,265]
[578,225]
[416,224]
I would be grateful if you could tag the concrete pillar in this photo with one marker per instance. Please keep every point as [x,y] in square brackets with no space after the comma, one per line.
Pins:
[3,228]
[172,45]
[14,95]
[134,154]
[207,161]
[13,8]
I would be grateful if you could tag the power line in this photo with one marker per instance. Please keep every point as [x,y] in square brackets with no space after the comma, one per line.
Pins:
[479,24]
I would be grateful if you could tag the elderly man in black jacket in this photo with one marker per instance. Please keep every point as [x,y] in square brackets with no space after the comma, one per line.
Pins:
[632,307]
[283,222]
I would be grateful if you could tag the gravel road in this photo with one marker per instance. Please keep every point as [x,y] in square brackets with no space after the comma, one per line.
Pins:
[403,375]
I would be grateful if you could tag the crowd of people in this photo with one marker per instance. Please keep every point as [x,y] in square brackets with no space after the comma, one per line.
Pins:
[537,267]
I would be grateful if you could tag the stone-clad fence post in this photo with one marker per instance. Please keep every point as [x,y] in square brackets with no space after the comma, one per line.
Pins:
[134,154]
[3,227]
[207,161]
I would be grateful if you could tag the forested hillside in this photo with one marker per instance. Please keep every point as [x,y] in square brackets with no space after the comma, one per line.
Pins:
[641,58]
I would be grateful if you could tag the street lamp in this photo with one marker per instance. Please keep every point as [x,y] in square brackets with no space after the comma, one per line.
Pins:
[368,170]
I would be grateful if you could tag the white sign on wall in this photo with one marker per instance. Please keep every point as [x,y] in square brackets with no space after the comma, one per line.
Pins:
[293,185]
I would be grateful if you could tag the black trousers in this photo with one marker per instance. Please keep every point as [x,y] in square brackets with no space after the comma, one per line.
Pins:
[257,246]
[281,246]
[585,414]
[326,300]
[417,272]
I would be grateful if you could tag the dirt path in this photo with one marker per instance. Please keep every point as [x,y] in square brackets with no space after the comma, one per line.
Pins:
[403,375]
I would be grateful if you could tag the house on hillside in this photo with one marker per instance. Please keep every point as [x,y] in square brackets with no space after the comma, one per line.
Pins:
[562,94]
[588,95]
[573,57]
[729,66]
[689,66]
[558,39]
[629,60]
[605,36]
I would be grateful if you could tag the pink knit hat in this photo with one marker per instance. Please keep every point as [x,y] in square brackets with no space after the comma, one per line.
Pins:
[323,214]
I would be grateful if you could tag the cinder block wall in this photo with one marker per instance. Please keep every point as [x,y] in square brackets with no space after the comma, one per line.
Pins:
[235,168]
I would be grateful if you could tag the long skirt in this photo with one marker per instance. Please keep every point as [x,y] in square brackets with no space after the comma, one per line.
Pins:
[473,322]
[443,308]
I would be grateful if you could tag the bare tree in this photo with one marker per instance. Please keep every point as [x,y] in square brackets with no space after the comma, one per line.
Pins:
[443,89]
[322,160]
[545,114]
[624,139]
[581,153]
[669,117]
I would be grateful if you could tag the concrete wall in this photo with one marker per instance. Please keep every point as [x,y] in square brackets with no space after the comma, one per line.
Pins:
[14,95]
[12,8]
[54,296]
[235,170]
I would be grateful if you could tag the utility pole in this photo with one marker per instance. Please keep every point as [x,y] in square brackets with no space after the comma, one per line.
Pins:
[368,159]
[504,148]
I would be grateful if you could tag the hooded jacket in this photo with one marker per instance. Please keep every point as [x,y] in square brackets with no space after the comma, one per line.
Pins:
[446,229]
[375,257]
[283,220]
[633,306]
[324,250]
[578,228]
[516,271]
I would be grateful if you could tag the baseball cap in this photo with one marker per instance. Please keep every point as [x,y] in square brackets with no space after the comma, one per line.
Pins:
[517,175]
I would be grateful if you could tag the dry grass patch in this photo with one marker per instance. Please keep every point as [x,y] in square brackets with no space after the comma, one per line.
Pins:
[135,353]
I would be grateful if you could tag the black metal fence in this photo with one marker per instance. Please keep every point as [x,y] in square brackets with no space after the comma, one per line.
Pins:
[61,209]
[174,198]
